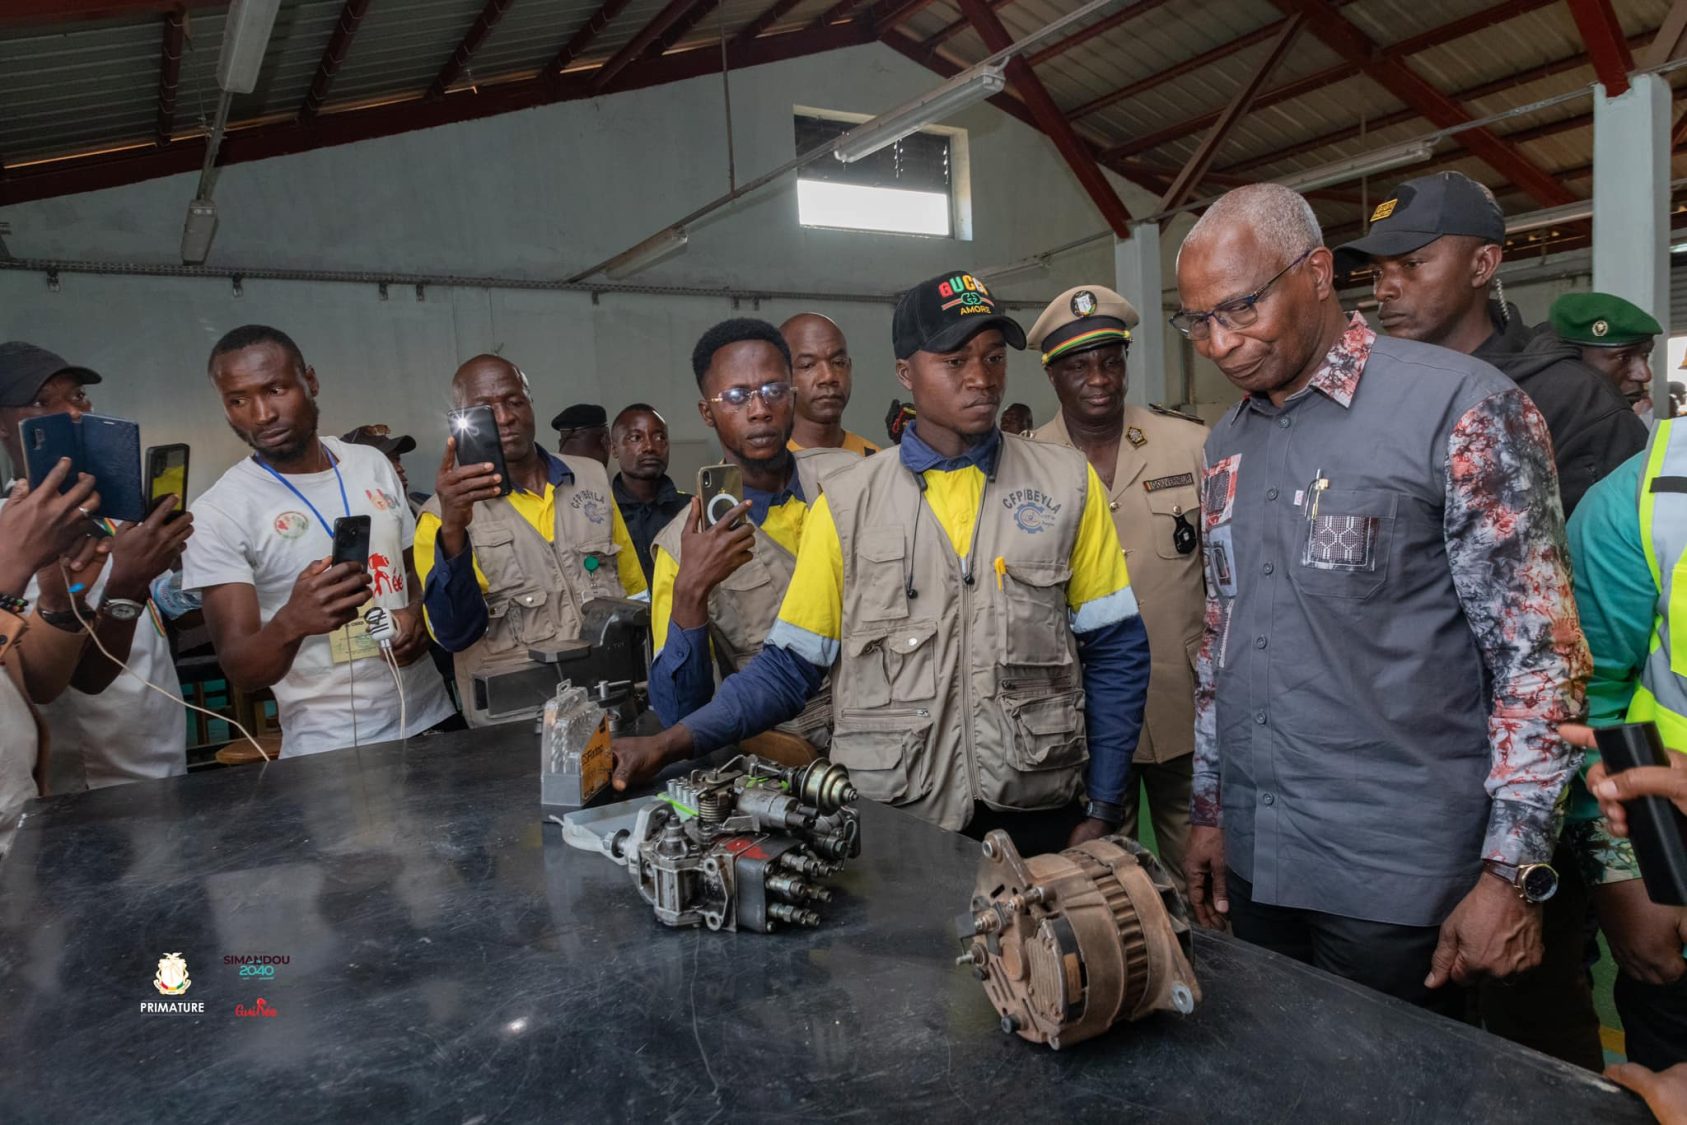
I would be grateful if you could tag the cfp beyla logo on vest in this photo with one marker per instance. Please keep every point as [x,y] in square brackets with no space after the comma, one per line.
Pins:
[966,292]
[590,504]
[1032,509]
[172,978]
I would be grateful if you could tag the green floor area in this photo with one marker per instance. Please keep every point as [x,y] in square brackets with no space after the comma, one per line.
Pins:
[1604,973]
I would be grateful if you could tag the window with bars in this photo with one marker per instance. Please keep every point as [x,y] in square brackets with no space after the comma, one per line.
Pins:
[904,188]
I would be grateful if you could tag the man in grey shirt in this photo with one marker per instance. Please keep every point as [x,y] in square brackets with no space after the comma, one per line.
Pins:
[1390,634]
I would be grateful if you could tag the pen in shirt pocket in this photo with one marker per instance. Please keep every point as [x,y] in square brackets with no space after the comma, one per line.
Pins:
[1001,565]
[1314,493]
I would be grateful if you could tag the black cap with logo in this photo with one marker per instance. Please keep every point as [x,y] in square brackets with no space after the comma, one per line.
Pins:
[381,437]
[942,314]
[25,369]
[1419,211]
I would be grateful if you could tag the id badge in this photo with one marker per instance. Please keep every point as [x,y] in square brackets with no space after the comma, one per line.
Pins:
[353,642]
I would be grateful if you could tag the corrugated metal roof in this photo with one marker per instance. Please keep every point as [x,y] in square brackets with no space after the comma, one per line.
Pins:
[77,87]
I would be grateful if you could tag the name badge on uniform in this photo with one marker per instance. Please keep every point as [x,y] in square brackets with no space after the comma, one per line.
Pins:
[353,642]
[1181,480]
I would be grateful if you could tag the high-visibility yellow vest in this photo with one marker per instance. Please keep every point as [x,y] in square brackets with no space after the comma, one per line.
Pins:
[1662,694]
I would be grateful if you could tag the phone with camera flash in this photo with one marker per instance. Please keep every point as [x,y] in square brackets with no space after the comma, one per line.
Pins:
[476,431]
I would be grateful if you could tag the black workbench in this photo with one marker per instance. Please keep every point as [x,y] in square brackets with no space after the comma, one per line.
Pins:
[450,959]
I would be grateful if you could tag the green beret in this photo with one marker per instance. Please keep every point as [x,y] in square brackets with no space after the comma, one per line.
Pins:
[1601,320]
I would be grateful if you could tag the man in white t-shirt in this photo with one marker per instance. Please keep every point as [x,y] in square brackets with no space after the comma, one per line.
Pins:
[279,615]
[107,728]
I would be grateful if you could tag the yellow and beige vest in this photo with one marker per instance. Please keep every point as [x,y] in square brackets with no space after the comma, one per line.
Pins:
[963,692]
[535,589]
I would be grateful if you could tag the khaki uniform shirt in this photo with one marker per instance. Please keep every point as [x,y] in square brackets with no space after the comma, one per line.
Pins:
[1154,480]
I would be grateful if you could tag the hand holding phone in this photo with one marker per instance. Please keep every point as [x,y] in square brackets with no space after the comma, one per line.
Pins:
[720,488]
[351,541]
[475,432]
[1655,823]
[166,476]
[325,597]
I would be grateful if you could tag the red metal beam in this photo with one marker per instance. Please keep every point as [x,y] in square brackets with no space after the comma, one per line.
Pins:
[1099,27]
[1607,46]
[333,57]
[681,28]
[589,31]
[672,13]
[170,74]
[477,33]
[1400,117]
[1403,82]
[1197,165]
[45,179]
[32,12]
[1434,37]
[771,15]
[1049,118]
[953,28]
[1178,70]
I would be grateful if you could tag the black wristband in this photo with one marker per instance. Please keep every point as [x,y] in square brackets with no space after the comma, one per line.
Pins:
[1106,812]
[65,619]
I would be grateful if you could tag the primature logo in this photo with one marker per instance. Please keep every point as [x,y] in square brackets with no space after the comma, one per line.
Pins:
[172,978]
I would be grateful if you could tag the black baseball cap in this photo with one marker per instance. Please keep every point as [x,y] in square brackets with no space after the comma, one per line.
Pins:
[25,369]
[580,416]
[1419,211]
[381,437]
[945,312]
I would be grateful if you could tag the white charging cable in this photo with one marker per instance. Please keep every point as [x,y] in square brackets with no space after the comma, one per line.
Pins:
[87,627]
[384,630]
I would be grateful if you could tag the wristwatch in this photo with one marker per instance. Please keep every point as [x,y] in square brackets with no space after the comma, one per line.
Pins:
[1533,882]
[1106,812]
[121,609]
[64,619]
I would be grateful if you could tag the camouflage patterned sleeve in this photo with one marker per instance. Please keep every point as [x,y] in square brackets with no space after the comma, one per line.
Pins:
[1205,808]
[1504,531]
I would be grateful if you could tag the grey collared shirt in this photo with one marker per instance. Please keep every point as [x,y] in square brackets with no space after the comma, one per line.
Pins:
[1390,636]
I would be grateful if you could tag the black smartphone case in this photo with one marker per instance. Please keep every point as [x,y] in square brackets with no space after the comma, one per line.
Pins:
[351,540]
[477,443]
[108,449]
[1656,826]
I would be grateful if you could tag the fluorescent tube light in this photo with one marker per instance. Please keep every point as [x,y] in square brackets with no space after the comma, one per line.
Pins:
[647,253]
[1358,167]
[1550,217]
[245,39]
[198,231]
[966,88]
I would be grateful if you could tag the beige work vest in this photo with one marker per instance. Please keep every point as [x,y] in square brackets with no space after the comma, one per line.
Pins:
[962,693]
[744,606]
[1155,478]
[535,589]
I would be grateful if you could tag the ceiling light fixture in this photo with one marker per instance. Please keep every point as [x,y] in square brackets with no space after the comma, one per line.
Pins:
[1382,160]
[647,253]
[967,88]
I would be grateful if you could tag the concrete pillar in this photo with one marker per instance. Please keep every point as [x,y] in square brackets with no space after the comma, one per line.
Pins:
[1136,271]
[1631,205]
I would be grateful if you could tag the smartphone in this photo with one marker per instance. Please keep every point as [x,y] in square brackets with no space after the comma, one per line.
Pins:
[351,541]
[108,449]
[1656,826]
[476,431]
[722,489]
[166,475]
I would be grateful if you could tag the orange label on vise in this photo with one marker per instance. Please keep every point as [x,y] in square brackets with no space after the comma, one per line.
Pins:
[596,760]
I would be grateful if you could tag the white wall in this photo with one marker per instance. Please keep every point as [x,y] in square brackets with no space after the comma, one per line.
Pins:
[537,194]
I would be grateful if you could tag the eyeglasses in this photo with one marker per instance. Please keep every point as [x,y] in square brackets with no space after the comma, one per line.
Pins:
[771,394]
[1238,313]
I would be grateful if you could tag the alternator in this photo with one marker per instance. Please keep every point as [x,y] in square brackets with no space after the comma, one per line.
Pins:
[744,846]
[1069,944]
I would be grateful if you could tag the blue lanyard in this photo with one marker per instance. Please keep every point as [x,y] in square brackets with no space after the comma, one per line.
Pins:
[334,463]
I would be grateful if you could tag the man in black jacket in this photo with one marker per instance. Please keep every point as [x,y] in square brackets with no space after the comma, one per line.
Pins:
[1434,247]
